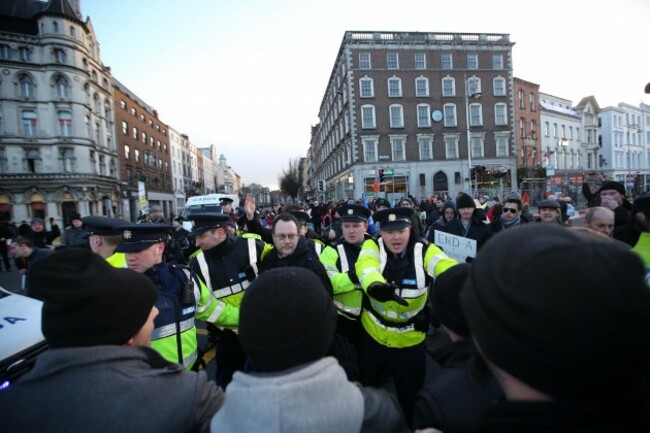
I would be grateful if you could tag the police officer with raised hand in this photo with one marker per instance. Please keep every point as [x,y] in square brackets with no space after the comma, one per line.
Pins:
[181,297]
[227,264]
[395,272]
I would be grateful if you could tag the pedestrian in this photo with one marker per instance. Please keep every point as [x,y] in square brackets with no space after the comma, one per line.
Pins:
[549,212]
[510,216]
[395,272]
[292,386]
[27,254]
[76,235]
[99,373]
[5,239]
[470,222]
[571,350]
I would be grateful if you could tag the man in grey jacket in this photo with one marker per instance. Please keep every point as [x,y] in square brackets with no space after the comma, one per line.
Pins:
[99,374]
[286,326]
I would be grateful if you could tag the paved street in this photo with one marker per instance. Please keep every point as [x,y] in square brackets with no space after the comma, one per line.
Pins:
[11,281]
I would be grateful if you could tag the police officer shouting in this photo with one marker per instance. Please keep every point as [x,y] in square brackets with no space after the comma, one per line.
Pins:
[181,298]
[395,272]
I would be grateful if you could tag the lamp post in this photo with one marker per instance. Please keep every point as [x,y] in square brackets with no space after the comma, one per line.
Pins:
[474,95]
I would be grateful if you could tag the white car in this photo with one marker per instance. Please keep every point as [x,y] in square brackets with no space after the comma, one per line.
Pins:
[20,334]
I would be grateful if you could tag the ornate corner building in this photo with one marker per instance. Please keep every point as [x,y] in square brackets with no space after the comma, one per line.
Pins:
[57,148]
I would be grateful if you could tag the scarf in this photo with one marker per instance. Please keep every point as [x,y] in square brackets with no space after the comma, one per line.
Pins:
[507,224]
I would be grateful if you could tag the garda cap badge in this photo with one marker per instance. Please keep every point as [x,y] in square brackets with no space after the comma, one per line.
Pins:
[350,211]
[392,217]
[126,234]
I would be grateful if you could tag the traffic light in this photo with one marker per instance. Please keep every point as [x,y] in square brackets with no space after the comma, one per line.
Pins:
[381,175]
[472,173]
[321,185]
[481,168]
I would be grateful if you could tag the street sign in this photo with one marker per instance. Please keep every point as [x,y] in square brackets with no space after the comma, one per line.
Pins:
[389,172]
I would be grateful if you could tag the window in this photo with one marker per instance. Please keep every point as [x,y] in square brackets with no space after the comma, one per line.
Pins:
[450,114]
[127,151]
[29,123]
[497,61]
[546,129]
[364,61]
[5,52]
[533,129]
[555,130]
[133,112]
[520,97]
[62,87]
[26,86]
[451,146]
[571,132]
[448,86]
[142,117]
[55,27]
[135,133]
[370,149]
[125,128]
[501,144]
[398,148]
[473,86]
[392,60]
[98,133]
[122,104]
[420,61]
[137,155]
[144,137]
[476,144]
[366,87]
[500,114]
[396,116]
[522,128]
[73,31]
[564,132]
[65,123]
[446,61]
[499,86]
[531,98]
[151,141]
[59,55]
[25,54]
[421,86]
[32,160]
[66,159]
[102,165]
[368,117]
[426,147]
[472,61]
[394,87]
[424,116]
[475,115]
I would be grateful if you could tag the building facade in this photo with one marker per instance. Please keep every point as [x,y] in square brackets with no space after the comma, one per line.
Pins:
[57,149]
[527,118]
[424,108]
[144,152]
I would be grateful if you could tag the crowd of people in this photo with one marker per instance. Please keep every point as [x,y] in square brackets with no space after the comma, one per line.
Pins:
[345,317]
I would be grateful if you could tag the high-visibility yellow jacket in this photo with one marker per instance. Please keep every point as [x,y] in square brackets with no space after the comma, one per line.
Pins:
[117,260]
[338,261]
[390,323]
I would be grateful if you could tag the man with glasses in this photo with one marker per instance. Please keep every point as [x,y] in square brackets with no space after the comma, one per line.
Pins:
[510,217]
[292,249]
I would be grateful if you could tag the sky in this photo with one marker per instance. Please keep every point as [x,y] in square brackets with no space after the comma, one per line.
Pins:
[249,75]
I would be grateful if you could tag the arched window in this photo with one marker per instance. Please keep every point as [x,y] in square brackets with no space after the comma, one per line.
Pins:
[73,31]
[66,158]
[62,87]
[55,27]
[26,86]
[65,123]
[59,55]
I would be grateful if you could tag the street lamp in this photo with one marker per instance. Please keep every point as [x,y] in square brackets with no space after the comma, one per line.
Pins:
[475,95]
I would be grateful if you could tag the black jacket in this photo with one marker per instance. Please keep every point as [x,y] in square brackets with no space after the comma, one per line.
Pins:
[304,256]
[478,230]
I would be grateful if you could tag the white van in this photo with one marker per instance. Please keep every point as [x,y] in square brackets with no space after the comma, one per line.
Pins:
[205,203]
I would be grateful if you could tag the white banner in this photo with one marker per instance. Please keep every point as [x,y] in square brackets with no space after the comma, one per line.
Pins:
[456,247]
[142,196]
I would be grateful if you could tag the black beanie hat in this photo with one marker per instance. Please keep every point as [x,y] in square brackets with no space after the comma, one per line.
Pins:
[287,318]
[464,200]
[86,301]
[445,299]
[611,184]
[578,335]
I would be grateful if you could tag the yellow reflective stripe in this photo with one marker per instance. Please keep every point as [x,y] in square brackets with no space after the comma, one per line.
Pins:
[431,266]
[189,360]
[418,259]
[231,290]
[167,330]
[345,266]
[399,330]
[383,257]
[412,293]
[390,314]
[331,270]
[368,271]
[203,265]
[369,252]
[347,309]
[252,255]
[217,312]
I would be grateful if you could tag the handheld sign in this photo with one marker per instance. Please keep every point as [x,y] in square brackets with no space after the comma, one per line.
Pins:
[456,247]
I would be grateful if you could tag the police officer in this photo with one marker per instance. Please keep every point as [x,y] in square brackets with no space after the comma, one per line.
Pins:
[226,205]
[181,298]
[395,272]
[104,235]
[227,264]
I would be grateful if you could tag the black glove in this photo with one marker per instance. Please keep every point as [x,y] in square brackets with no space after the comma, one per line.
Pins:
[385,292]
[422,320]
[353,277]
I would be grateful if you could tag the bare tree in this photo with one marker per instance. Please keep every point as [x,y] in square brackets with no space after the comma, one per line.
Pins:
[291,179]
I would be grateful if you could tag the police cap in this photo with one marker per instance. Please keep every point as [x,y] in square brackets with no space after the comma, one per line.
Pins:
[353,212]
[225,201]
[205,221]
[138,237]
[393,219]
[104,226]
